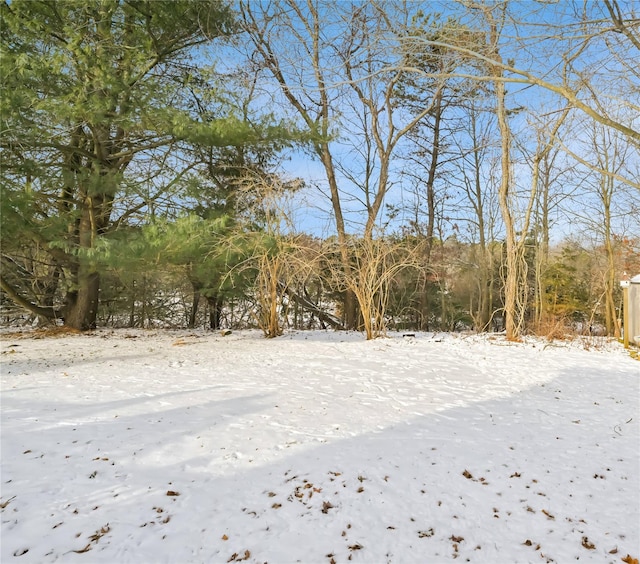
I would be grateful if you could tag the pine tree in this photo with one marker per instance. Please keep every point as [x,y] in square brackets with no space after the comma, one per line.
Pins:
[91,112]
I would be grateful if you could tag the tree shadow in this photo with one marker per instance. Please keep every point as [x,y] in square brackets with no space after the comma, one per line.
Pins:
[195,482]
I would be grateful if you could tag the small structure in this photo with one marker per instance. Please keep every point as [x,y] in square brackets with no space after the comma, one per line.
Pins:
[631,307]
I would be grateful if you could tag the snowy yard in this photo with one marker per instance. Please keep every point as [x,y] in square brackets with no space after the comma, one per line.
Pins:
[190,447]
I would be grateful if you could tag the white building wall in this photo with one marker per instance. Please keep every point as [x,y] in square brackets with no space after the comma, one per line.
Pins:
[634,310]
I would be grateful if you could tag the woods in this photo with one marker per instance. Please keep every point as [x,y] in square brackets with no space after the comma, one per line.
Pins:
[307,163]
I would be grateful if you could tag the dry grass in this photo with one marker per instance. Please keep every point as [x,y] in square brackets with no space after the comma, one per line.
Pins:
[555,329]
[43,333]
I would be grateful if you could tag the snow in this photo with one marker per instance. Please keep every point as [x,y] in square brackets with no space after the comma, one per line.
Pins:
[180,447]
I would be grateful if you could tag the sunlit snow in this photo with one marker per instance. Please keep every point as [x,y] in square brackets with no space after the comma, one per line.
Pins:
[180,447]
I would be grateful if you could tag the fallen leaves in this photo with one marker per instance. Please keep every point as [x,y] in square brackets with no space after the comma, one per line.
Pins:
[628,559]
[172,493]
[61,331]
[456,541]
[159,511]
[5,503]
[588,544]
[469,476]
[94,538]
[549,516]
[236,558]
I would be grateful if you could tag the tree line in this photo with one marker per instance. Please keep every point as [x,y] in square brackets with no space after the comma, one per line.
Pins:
[477,163]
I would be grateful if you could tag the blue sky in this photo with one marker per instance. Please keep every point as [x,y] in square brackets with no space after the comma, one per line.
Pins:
[312,206]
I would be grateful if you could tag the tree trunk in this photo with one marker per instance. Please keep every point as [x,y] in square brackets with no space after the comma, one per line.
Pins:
[350,301]
[610,277]
[82,304]
[196,286]
[215,303]
[511,262]
[194,308]
[433,168]
[81,309]
[511,259]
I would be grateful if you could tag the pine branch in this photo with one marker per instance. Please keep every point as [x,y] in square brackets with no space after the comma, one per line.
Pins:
[14,296]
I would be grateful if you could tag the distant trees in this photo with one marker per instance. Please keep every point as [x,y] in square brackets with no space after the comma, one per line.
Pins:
[597,33]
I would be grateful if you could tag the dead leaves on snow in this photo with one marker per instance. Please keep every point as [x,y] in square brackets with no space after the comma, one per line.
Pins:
[588,544]
[326,505]
[537,548]
[549,516]
[469,476]
[5,503]
[235,557]
[305,492]
[456,540]
[181,342]
[302,493]
[94,538]
[61,331]
[163,518]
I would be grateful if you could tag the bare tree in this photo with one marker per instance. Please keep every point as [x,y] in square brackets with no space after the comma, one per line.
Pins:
[610,153]
[579,38]
[377,263]
[545,176]
[289,44]
[474,175]
[326,59]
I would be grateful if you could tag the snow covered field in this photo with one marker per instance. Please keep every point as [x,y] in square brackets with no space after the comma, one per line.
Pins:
[181,447]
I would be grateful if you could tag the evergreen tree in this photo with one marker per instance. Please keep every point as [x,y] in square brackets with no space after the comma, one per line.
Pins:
[93,119]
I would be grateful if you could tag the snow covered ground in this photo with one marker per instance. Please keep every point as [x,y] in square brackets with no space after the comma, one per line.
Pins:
[181,447]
